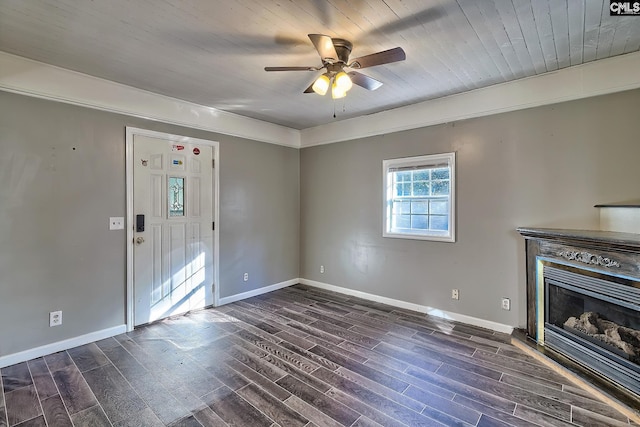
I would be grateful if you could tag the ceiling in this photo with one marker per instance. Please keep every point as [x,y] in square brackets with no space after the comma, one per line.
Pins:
[213,52]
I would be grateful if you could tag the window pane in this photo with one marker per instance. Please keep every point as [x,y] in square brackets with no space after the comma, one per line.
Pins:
[400,207]
[402,221]
[176,196]
[439,207]
[420,207]
[403,176]
[422,175]
[419,222]
[440,188]
[403,189]
[442,173]
[438,222]
[421,188]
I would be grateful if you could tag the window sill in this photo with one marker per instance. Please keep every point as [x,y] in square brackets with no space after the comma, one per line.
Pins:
[414,236]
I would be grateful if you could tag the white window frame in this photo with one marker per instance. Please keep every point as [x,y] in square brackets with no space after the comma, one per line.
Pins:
[428,161]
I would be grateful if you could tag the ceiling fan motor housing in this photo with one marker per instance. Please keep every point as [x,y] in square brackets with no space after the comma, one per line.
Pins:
[343,49]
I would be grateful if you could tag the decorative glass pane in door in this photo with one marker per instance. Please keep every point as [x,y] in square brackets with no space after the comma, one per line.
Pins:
[176,196]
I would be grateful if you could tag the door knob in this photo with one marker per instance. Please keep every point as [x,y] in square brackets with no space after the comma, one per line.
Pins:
[139,240]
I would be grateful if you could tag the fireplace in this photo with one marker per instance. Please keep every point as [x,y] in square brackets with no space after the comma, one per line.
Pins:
[593,319]
[583,303]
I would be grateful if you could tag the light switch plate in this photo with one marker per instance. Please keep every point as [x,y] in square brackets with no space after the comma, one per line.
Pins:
[116,223]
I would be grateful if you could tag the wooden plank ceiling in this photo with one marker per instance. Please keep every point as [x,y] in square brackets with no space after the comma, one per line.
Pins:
[212,52]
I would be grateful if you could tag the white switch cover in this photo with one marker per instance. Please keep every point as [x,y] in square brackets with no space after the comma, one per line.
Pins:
[116,223]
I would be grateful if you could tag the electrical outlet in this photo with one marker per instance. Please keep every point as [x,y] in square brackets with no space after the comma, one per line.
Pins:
[506,304]
[455,294]
[55,318]
[116,223]
[246,277]
[322,269]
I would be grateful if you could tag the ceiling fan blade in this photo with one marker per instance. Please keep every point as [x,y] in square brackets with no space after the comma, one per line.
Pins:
[364,81]
[385,57]
[324,46]
[310,88]
[291,68]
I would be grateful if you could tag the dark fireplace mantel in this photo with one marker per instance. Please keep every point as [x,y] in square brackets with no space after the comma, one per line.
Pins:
[605,251]
[583,304]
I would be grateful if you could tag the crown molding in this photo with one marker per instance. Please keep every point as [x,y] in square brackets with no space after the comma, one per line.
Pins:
[600,77]
[33,78]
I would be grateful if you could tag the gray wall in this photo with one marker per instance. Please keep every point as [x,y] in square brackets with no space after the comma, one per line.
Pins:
[543,167]
[540,167]
[56,252]
[259,214]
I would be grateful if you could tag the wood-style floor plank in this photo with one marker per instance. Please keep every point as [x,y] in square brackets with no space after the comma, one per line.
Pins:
[58,361]
[88,357]
[114,393]
[317,417]
[374,415]
[436,405]
[93,416]
[74,391]
[144,418]
[42,378]
[364,370]
[588,418]
[397,406]
[39,421]
[55,412]
[271,406]
[299,356]
[327,405]
[234,410]
[163,404]
[516,394]
[15,377]
[22,404]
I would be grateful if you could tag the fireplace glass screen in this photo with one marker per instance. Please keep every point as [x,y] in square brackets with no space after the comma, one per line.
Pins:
[601,322]
[594,320]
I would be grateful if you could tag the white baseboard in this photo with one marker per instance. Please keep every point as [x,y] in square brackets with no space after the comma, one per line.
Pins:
[463,318]
[256,292]
[23,356]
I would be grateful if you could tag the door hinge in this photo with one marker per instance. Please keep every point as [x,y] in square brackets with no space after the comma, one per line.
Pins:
[213,163]
[213,226]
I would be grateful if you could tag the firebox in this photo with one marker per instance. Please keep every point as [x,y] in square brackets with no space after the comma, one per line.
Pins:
[593,319]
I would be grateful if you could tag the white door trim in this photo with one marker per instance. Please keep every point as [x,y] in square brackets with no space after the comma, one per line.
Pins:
[131,131]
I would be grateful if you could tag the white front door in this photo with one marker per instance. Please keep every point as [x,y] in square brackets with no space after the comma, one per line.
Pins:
[173,227]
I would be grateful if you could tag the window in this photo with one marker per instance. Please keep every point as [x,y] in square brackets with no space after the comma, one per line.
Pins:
[420,197]
[176,196]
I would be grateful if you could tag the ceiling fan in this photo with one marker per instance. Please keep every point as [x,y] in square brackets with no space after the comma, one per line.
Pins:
[340,74]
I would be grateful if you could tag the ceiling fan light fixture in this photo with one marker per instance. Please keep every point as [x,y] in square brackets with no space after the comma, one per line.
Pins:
[343,82]
[337,92]
[321,85]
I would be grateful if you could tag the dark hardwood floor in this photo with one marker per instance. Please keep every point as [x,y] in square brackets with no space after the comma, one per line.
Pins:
[297,357]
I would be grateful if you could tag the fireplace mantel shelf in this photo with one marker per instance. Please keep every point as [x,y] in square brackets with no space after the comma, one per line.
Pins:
[631,241]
